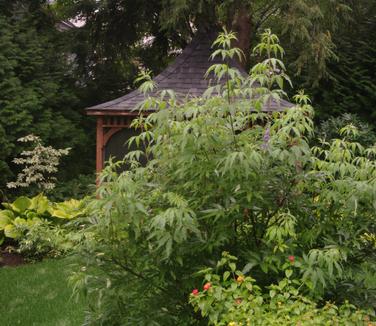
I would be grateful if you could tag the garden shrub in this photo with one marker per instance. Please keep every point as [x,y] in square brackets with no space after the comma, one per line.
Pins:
[48,240]
[231,298]
[222,177]
[39,164]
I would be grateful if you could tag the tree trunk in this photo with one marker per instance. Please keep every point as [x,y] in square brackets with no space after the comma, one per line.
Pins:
[242,25]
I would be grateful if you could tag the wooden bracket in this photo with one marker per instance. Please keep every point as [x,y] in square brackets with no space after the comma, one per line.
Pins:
[112,131]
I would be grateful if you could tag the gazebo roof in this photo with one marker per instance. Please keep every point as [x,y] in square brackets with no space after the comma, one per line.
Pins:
[186,76]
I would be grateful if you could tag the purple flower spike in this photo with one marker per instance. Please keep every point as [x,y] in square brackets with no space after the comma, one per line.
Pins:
[267,135]
[266,139]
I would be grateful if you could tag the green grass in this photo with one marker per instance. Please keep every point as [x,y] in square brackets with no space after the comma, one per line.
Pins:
[38,294]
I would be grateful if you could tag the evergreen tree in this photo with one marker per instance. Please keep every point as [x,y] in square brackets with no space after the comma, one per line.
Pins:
[37,91]
[329,44]
[110,47]
[116,28]
[351,87]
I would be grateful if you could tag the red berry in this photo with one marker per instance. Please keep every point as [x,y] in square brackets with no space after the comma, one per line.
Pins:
[291,259]
[207,286]
[195,292]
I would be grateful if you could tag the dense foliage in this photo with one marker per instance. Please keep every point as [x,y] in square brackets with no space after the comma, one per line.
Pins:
[351,87]
[233,299]
[329,44]
[38,93]
[112,46]
[39,227]
[330,128]
[307,25]
[49,76]
[220,178]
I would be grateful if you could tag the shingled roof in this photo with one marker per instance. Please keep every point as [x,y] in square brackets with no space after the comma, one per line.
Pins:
[185,76]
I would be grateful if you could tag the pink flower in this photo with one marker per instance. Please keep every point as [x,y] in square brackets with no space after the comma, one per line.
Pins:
[195,292]
[291,259]
[207,286]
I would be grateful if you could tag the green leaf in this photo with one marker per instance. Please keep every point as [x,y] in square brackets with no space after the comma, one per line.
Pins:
[10,231]
[19,221]
[248,267]
[67,210]
[226,275]
[288,273]
[6,218]
[40,204]
[20,205]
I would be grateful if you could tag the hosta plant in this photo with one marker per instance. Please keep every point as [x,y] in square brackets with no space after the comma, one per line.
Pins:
[24,213]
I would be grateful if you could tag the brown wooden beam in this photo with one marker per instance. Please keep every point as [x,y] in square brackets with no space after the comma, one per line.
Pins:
[108,125]
[100,147]
[117,113]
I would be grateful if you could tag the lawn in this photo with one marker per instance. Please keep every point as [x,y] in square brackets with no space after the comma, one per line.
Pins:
[38,294]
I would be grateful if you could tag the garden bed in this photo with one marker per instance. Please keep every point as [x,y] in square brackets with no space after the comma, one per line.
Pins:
[10,259]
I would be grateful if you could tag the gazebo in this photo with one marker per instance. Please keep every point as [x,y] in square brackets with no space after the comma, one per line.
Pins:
[185,76]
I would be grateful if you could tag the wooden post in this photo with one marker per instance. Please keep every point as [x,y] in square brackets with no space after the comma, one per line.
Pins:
[100,146]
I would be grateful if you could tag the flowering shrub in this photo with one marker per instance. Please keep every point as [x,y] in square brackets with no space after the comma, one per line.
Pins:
[39,165]
[235,299]
[221,177]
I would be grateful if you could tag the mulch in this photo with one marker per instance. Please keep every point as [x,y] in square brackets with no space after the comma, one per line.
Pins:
[11,259]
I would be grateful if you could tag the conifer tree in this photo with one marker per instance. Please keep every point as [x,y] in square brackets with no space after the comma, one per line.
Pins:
[37,91]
